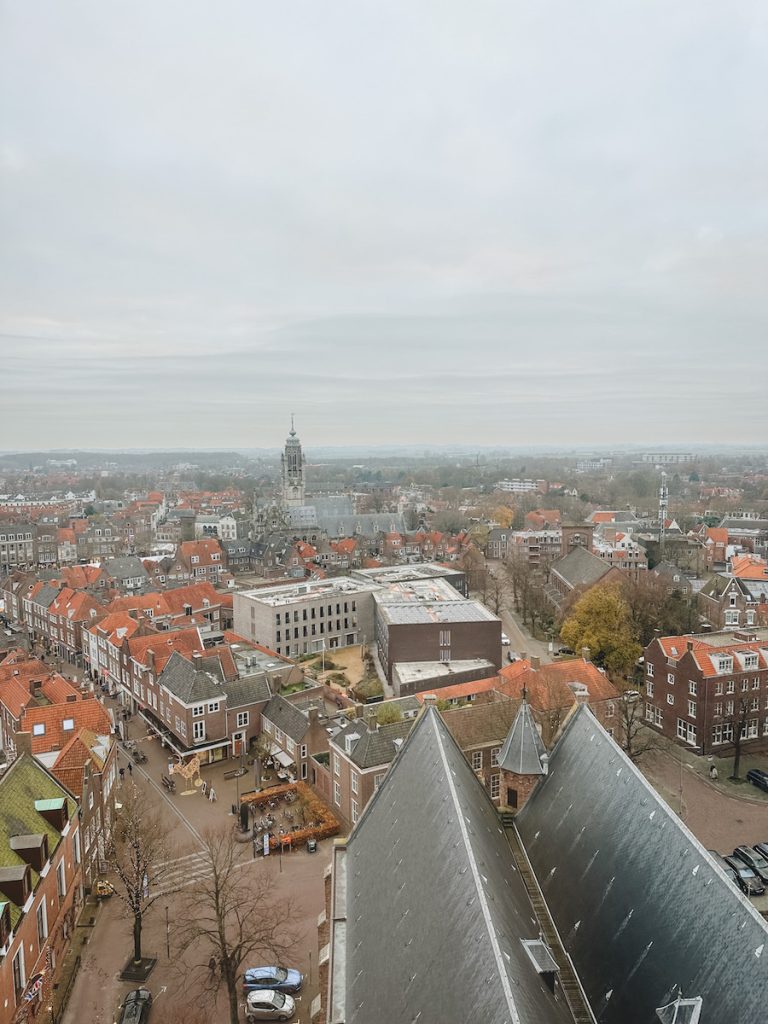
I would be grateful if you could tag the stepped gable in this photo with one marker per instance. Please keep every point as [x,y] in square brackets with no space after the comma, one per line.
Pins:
[640,905]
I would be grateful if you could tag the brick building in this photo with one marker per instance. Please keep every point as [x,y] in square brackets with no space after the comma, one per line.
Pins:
[40,883]
[700,689]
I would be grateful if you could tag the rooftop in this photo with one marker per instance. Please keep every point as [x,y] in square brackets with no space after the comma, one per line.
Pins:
[416,671]
[436,611]
[307,590]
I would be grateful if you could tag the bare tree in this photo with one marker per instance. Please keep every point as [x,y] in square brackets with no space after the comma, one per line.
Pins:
[230,918]
[738,721]
[637,738]
[137,850]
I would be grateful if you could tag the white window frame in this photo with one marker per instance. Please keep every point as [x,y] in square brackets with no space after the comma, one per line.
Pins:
[198,730]
[242,719]
[477,760]
[495,786]
[337,793]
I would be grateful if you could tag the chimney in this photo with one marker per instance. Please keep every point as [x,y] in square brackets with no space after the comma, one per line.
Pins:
[151,660]
[689,645]
[523,655]
[656,634]
[535,662]
[585,653]
[313,715]
[23,742]
[197,659]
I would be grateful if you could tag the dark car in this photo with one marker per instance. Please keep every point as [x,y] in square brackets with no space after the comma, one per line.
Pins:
[749,883]
[565,650]
[136,1007]
[753,859]
[762,848]
[277,979]
[758,778]
[724,866]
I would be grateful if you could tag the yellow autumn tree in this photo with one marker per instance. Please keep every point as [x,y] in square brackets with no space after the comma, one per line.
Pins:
[601,621]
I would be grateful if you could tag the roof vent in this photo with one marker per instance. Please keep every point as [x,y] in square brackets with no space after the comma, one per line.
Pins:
[681,1011]
[542,959]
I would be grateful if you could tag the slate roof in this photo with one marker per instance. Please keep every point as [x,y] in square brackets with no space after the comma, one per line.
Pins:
[126,567]
[285,716]
[480,725]
[580,568]
[375,746]
[248,690]
[429,907]
[522,750]
[190,683]
[639,904]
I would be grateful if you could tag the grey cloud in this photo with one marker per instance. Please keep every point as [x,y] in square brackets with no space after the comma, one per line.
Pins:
[432,222]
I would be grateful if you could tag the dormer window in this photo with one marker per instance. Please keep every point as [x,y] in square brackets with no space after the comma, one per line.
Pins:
[38,729]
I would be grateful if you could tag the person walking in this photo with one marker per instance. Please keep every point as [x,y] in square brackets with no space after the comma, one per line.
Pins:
[122,774]
[130,769]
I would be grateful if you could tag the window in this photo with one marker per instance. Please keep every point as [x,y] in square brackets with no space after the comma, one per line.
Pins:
[671,678]
[649,688]
[731,686]
[61,880]
[495,786]
[377,780]
[267,725]
[729,707]
[765,727]
[495,756]
[354,777]
[756,683]
[670,698]
[38,729]
[303,750]
[19,978]
[76,846]
[754,704]
[198,730]
[354,812]
[691,708]
[692,687]
[718,709]
[242,719]
[195,559]
[752,729]
[744,685]
[337,793]
[649,671]
[213,707]
[198,711]
[445,638]
[303,769]
[42,923]
[718,689]
[732,617]
[686,731]
[336,765]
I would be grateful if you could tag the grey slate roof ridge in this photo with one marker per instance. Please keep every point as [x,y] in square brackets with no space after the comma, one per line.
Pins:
[541,817]
[489,905]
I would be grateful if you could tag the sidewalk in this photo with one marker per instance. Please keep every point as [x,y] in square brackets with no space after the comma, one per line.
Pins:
[700,765]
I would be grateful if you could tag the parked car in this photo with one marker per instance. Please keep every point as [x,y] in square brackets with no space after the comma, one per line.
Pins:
[724,866]
[268,1005]
[758,778]
[505,641]
[762,848]
[136,1007]
[748,880]
[279,979]
[565,650]
[753,859]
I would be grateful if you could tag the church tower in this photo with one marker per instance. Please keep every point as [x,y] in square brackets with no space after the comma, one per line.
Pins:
[292,461]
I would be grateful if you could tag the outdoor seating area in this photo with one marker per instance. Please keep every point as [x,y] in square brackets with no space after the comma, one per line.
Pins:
[287,816]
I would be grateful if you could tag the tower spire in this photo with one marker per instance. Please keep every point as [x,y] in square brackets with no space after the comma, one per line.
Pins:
[293,429]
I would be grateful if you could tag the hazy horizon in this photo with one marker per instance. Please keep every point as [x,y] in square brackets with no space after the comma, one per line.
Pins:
[493,224]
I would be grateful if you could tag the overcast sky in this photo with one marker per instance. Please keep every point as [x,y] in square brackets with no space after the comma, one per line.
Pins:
[480,222]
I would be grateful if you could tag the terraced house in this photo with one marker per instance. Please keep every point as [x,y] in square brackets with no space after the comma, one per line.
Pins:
[40,884]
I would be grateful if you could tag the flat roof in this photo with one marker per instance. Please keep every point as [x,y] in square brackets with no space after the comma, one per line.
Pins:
[728,639]
[309,590]
[416,591]
[437,611]
[402,573]
[415,671]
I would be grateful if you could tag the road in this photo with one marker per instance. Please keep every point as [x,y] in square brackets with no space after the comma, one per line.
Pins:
[521,640]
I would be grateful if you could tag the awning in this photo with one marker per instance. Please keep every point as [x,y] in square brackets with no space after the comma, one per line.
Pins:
[284,759]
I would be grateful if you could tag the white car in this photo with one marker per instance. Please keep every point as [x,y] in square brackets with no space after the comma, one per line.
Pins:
[268,1005]
[504,640]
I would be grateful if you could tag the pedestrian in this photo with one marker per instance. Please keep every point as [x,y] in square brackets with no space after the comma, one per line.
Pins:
[212,965]
[212,795]
[130,769]
[713,773]
[122,774]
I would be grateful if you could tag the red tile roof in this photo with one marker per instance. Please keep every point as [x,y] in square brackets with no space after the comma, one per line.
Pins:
[88,714]
[76,753]
[115,627]
[548,686]
[186,641]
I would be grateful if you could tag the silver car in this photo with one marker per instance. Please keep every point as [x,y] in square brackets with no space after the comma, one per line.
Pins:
[268,1005]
